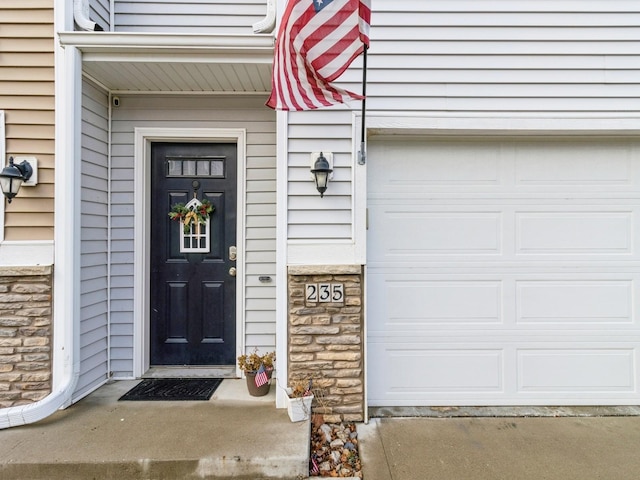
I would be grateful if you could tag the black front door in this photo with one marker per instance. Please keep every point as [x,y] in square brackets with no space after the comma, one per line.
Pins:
[193,295]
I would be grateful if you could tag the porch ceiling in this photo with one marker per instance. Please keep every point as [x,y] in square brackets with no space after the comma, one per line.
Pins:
[119,76]
[175,63]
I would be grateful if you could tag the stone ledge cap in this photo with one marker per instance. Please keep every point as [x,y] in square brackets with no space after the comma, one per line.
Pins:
[17,271]
[325,269]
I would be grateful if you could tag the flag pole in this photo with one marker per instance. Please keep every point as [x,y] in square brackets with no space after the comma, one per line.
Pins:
[362,156]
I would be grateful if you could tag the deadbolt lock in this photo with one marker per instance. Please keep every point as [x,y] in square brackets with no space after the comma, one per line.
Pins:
[233,253]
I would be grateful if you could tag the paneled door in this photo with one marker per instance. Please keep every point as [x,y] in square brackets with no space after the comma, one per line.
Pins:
[503,271]
[193,290]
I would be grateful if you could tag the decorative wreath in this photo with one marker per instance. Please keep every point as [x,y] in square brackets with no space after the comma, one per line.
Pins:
[198,214]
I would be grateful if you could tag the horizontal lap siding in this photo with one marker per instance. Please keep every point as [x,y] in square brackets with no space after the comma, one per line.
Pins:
[94,256]
[496,56]
[99,12]
[312,217]
[192,16]
[197,112]
[27,98]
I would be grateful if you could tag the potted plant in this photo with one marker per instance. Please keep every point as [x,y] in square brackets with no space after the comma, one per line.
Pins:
[258,370]
[299,400]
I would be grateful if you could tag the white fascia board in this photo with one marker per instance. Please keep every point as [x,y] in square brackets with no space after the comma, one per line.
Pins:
[26,253]
[318,252]
[90,41]
[143,47]
[390,123]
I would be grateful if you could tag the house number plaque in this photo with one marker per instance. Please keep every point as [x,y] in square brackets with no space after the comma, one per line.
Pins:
[324,292]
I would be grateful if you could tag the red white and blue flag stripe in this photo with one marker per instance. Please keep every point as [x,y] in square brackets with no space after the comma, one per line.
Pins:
[261,376]
[316,43]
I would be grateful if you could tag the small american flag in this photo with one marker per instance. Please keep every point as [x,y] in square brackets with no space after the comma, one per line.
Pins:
[314,466]
[261,377]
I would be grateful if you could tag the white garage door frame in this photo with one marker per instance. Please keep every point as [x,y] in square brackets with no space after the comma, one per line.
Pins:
[393,124]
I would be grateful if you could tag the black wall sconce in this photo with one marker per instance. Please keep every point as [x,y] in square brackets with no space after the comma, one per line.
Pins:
[321,171]
[12,177]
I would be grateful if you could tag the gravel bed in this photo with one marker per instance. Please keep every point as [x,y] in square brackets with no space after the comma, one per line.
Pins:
[334,450]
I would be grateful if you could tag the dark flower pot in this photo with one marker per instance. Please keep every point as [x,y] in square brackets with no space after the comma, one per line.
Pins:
[251,384]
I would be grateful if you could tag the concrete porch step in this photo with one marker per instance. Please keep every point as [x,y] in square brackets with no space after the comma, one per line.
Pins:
[233,435]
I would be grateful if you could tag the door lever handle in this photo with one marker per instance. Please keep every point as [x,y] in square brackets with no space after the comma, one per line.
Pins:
[233,253]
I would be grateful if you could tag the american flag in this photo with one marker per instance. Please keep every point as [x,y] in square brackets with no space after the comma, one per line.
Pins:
[261,376]
[316,43]
[315,469]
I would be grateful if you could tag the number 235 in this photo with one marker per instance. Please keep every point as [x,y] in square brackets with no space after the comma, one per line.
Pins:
[325,292]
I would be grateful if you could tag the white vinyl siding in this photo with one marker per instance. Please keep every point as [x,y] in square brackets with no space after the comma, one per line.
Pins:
[197,112]
[498,56]
[193,16]
[311,217]
[94,237]
[100,13]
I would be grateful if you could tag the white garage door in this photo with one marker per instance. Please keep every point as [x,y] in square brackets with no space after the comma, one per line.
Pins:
[503,271]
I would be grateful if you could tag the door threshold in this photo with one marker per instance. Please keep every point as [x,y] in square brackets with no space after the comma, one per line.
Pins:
[183,371]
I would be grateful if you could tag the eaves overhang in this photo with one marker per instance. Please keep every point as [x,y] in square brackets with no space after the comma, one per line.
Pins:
[149,62]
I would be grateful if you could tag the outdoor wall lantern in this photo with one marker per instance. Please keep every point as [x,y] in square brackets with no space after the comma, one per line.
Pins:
[12,177]
[321,170]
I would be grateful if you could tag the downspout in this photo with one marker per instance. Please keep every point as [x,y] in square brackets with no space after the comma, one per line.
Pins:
[81,16]
[268,23]
[66,309]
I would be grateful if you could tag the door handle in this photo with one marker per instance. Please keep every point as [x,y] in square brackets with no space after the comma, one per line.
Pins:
[233,271]
[233,253]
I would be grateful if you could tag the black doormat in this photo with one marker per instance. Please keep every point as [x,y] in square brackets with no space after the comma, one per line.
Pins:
[172,389]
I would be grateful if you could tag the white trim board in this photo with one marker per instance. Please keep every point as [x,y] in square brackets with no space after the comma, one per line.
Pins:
[26,252]
[142,178]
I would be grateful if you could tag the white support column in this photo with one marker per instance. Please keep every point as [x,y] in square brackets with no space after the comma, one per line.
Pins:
[282,298]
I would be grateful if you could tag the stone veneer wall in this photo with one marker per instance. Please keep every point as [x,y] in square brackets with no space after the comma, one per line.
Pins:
[25,334]
[326,340]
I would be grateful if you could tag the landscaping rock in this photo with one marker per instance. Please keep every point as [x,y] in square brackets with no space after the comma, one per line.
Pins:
[334,450]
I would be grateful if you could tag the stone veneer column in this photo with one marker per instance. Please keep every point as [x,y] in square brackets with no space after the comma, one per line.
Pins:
[25,334]
[326,340]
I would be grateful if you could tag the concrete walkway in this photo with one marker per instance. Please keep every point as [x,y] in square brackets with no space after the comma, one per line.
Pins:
[233,435]
[544,448]
[236,436]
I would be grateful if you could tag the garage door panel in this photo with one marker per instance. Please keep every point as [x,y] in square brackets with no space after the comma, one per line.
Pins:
[446,373]
[463,232]
[409,303]
[505,165]
[585,233]
[415,170]
[577,370]
[441,370]
[594,302]
[571,164]
[604,302]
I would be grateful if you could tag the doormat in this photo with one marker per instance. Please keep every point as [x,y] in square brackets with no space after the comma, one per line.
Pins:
[173,389]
